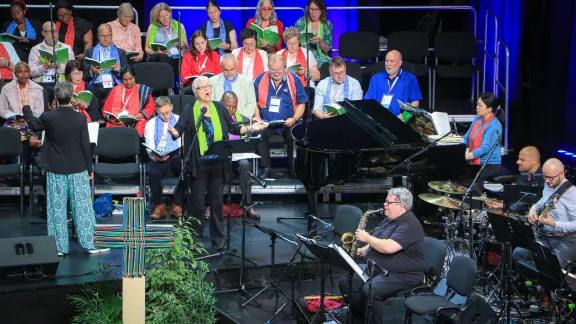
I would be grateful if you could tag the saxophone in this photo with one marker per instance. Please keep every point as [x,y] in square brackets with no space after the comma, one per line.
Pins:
[349,241]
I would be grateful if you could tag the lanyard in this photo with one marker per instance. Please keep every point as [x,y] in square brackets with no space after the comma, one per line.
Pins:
[393,83]
[127,37]
[201,67]
[169,32]
[125,102]
[335,94]
[20,91]
[274,87]
[246,71]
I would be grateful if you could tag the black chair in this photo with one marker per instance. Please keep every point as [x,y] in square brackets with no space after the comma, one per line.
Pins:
[118,145]
[435,254]
[460,280]
[177,107]
[157,75]
[457,50]
[413,46]
[360,46]
[346,220]
[11,147]
[503,178]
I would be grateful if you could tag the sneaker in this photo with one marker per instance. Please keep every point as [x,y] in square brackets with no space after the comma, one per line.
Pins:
[159,212]
[97,251]
[60,254]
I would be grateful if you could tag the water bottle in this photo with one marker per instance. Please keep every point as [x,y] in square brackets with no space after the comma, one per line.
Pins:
[35,208]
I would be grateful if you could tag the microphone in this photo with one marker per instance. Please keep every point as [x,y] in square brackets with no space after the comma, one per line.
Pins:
[326,225]
[372,265]
[242,123]
[258,180]
[202,113]
[455,130]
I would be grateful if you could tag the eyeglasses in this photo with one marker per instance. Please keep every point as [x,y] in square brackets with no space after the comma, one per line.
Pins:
[386,202]
[315,9]
[339,73]
[105,36]
[129,18]
[249,44]
[50,31]
[277,71]
[293,43]
[266,9]
[551,178]
[205,88]
[77,73]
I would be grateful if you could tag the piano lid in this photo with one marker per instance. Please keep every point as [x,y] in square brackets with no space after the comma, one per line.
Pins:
[366,125]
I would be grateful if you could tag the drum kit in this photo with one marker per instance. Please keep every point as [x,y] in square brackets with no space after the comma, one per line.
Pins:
[456,220]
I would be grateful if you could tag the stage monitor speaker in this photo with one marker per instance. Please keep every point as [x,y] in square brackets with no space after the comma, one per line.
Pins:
[34,254]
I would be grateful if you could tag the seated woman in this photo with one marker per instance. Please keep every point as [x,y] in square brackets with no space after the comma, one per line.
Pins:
[219,28]
[11,103]
[125,34]
[74,72]
[293,54]
[27,30]
[131,98]
[266,17]
[73,31]
[321,27]
[199,59]
[251,61]
[162,29]
[8,60]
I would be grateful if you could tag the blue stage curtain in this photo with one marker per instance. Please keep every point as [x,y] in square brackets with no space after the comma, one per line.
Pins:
[343,20]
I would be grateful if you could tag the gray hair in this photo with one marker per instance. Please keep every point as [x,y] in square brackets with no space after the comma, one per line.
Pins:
[196,81]
[273,58]
[337,61]
[404,195]
[162,101]
[125,7]
[228,56]
[258,16]
[63,92]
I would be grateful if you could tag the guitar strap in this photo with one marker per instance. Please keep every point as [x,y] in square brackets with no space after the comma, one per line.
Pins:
[559,192]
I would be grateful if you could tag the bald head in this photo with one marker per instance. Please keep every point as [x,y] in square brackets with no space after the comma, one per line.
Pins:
[393,62]
[105,35]
[230,101]
[553,172]
[528,159]
[553,165]
[49,33]
[46,25]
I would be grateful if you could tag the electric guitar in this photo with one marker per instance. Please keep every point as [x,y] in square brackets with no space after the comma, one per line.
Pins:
[549,205]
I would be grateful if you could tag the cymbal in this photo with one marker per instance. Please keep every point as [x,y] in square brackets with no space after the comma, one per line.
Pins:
[486,199]
[442,201]
[446,187]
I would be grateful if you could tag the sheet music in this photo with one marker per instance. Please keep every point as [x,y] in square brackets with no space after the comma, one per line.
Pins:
[441,122]
[93,132]
[350,262]
[244,156]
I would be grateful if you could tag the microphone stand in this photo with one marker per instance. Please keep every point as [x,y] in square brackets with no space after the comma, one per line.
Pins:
[309,117]
[408,161]
[55,42]
[179,61]
[467,195]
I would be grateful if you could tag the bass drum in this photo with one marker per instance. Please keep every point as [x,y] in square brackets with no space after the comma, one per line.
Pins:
[457,247]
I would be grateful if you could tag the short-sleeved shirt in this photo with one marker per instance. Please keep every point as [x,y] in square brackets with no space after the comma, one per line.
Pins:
[82,27]
[229,27]
[407,231]
[286,107]
[405,89]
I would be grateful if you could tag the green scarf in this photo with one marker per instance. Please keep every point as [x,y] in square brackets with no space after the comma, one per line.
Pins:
[215,123]
[239,118]
[320,35]
[154,30]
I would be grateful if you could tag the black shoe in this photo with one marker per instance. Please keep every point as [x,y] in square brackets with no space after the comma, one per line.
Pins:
[219,247]
[264,173]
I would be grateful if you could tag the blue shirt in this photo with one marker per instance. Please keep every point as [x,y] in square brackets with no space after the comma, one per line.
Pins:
[563,213]
[286,107]
[492,135]
[406,89]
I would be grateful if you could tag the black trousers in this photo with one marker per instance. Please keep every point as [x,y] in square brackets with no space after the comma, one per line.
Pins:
[563,247]
[241,168]
[156,171]
[210,181]
[264,146]
[383,287]
[102,94]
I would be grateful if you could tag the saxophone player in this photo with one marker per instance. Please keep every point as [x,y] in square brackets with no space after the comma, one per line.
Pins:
[396,245]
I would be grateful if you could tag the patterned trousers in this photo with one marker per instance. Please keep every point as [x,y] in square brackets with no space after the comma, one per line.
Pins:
[75,186]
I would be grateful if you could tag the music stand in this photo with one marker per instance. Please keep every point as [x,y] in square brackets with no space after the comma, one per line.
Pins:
[225,149]
[331,255]
[510,232]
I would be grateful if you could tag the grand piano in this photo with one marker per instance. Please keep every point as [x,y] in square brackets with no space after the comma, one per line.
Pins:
[333,150]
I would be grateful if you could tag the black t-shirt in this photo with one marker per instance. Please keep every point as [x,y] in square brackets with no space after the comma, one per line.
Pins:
[81,27]
[407,231]
[229,27]
[535,181]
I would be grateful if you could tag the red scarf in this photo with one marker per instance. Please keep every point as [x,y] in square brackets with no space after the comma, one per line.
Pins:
[6,72]
[258,63]
[69,38]
[132,106]
[300,59]
[264,87]
[82,87]
[476,137]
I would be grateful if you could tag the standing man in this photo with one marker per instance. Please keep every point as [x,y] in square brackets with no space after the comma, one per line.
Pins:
[280,96]
[394,84]
[231,80]
[42,70]
[67,159]
[104,81]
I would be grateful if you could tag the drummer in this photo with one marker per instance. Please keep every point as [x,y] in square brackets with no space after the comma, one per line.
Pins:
[530,172]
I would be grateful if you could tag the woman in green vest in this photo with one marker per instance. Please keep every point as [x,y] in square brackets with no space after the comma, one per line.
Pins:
[162,32]
[319,29]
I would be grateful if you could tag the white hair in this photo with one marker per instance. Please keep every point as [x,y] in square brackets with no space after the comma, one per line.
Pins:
[228,56]
[196,81]
[404,195]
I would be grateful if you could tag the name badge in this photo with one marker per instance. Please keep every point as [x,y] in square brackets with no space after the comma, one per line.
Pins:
[174,52]
[107,82]
[46,78]
[275,104]
[386,100]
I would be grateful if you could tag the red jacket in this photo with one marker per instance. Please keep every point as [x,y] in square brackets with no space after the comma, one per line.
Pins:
[205,63]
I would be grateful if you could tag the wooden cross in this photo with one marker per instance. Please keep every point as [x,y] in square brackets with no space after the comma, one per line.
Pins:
[134,236]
